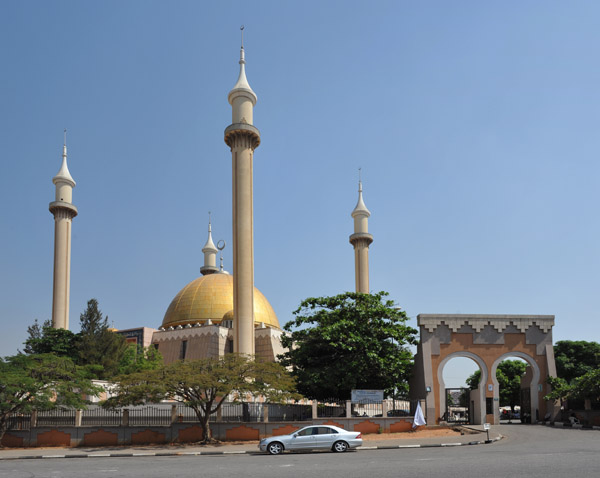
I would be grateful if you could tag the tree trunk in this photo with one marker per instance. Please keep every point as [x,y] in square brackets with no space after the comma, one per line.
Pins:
[3,427]
[206,431]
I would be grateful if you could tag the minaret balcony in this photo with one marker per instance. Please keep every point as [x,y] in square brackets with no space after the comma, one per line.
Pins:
[361,238]
[245,131]
[63,206]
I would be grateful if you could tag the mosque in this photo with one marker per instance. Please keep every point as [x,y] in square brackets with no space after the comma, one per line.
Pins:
[217,313]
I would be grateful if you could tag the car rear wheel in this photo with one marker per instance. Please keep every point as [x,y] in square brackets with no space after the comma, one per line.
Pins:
[275,448]
[340,446]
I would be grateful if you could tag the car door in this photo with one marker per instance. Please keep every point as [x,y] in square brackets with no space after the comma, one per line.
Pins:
[304,439]
[326,437]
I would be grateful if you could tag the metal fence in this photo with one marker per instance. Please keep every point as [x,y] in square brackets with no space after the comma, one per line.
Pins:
[401,408]
[150,416]
[289,412]
[19,422]
[60,417]
[162,414]
[331,408]
[98,416]
[186,414]
[367,409]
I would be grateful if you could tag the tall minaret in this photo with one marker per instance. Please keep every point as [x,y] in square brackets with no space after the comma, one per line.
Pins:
[64,211]
[210,254]
[361,240]
[242,137]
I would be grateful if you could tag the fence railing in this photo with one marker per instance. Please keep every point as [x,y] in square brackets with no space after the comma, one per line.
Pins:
[150,416]
[165,414]
[19,422]
[60,417]
[99,417]
[331,408]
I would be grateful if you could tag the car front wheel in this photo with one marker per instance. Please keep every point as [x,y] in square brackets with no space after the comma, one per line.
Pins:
[340,446]
[275,448]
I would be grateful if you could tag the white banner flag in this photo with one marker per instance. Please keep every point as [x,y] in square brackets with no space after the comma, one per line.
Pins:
[419,418]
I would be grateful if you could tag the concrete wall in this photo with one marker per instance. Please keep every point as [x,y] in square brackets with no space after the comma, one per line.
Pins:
[187,432]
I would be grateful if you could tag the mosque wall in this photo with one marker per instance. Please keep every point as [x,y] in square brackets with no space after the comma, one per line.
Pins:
[193,343]
[268,344]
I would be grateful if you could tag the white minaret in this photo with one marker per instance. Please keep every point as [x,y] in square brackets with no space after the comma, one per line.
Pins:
[243,138]
[210,254]
[361,239]
[64,211]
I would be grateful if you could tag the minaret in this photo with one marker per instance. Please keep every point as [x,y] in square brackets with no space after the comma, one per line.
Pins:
[361,240]
[210,254]
[242,137]
[64,211]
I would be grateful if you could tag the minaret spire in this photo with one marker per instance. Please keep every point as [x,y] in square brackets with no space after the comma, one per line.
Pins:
[64,211]
[243,138]
[210,253]
[361,239]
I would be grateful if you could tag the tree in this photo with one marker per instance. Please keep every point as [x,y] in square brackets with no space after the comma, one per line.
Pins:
[99,349]
[47,340]
[204,384]
[473,380]
[138,359]
[508,374]
[576,358]
[587,386]
[40,382]
[349,341]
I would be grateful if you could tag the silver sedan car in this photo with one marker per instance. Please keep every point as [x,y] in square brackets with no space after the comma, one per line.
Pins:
[312,437]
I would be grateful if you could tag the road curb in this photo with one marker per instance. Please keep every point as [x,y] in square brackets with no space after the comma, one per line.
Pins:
[236,452]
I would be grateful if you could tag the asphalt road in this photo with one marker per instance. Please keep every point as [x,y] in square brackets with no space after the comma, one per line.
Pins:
[527,451]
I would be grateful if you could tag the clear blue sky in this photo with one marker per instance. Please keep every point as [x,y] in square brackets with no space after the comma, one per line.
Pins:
[475,124]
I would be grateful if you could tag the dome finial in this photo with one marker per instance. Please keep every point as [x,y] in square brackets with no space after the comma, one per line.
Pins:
[242,30]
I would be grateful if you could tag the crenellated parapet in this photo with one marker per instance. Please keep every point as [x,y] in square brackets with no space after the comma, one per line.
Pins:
[500,323]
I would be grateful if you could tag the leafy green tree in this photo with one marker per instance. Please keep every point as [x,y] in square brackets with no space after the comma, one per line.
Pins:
[587,386]
[40,382]
[576,358]
[473,380]
[46,340]
[99,349]
[508,374]
[349,341]
[137,359]
[204,384]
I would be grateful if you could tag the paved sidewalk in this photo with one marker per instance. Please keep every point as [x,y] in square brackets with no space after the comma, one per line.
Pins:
[478,438]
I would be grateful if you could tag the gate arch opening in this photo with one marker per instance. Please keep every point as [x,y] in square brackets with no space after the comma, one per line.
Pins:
[533,382]
[477,396]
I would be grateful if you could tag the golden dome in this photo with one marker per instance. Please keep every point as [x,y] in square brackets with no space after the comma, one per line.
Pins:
[211,297]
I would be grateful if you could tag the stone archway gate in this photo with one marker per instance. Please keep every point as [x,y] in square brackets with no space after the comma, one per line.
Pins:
[488,340]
